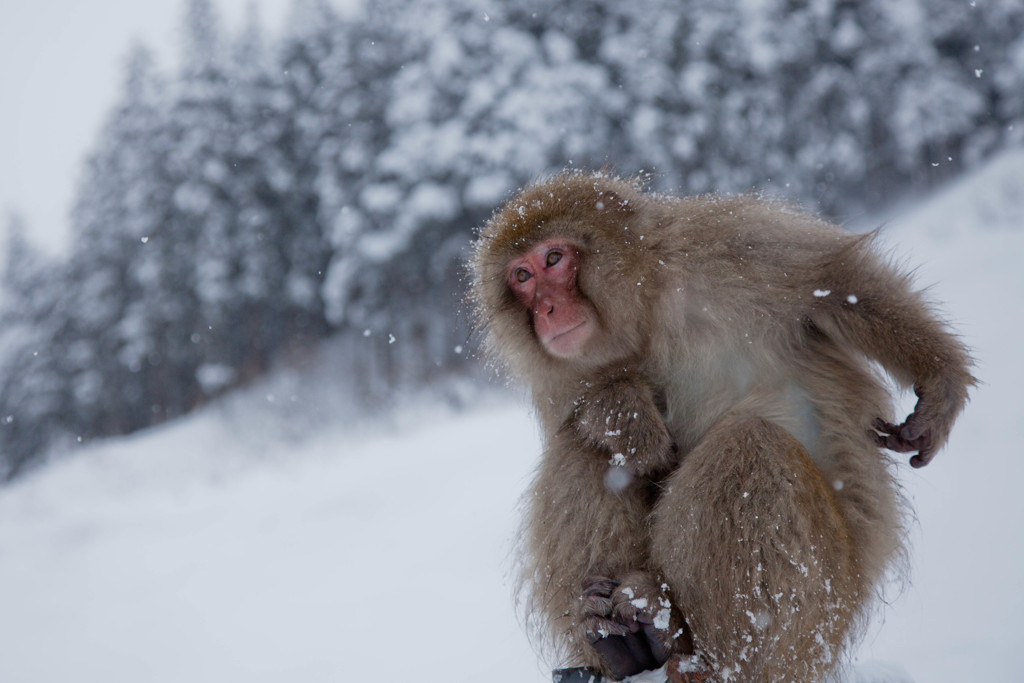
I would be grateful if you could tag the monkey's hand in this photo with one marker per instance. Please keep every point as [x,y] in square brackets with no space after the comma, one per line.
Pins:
[629,623]
[925,430]
[620,415]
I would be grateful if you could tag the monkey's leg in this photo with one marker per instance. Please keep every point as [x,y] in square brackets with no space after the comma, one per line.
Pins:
[748,536]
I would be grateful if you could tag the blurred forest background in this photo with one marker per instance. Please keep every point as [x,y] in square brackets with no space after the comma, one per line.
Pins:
[274,192]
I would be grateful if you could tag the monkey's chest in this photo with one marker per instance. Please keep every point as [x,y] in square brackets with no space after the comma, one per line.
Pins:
[699,394]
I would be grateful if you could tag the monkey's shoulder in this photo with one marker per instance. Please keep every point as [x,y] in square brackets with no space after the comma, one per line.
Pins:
[746,228]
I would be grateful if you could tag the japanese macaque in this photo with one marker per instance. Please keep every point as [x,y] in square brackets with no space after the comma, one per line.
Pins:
[713,489]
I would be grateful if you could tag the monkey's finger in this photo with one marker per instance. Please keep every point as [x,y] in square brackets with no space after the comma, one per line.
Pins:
[894,443]
[596,606]
[598,628]
[625,611]
[623,596]
[922,458]
[660,649]
[599,586]
[901,444]
[922,444]
[885,427]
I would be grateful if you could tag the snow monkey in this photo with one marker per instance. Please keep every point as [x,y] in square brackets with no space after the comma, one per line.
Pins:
[713,487]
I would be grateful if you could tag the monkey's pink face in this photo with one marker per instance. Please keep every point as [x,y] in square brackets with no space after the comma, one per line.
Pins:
[544,281]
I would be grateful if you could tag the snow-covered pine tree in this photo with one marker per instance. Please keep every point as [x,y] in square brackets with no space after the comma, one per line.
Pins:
[249,325]
[119,205]
[33,384]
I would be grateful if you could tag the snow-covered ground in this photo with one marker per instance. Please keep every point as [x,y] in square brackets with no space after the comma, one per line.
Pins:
[223,548]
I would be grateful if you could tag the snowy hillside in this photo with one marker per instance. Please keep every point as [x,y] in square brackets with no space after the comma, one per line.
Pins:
[223,548]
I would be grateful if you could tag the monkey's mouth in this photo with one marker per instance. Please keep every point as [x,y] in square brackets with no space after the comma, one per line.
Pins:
[568,342]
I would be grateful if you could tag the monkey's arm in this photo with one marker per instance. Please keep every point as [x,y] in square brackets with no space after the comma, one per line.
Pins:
[579,530]
[868,304]
[618,413]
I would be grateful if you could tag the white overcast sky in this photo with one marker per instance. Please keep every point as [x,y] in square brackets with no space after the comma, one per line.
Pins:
[60,69]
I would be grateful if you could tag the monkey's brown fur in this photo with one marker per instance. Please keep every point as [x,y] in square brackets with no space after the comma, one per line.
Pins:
[772,518]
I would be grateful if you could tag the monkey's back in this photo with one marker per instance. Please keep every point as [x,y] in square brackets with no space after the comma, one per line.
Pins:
[746,292]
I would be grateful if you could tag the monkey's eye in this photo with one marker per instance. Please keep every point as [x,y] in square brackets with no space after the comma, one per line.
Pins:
[553,257]
[522,275]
